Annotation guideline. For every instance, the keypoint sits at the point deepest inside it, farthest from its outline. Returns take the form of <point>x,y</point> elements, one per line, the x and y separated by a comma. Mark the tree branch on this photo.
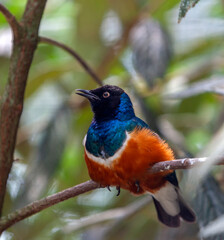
<point>49,201</point>
<point>184,163</point>
<point>12,100</point>
<point>39,205</point>
<point>15,26</point>
<point>75,55</point>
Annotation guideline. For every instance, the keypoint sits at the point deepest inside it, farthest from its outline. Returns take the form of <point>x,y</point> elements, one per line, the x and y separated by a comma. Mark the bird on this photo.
<point>120,148</point>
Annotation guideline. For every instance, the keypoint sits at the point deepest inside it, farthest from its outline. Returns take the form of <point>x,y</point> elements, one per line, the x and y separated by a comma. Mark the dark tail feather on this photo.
<point>186,213</point>
<point>168,220</point>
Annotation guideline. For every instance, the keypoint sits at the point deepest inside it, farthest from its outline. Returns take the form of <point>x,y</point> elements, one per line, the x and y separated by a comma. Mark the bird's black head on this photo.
<point>105,101</point>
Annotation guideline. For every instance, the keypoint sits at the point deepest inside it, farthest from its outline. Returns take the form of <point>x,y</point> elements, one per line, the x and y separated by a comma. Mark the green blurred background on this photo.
<point>49,151</point>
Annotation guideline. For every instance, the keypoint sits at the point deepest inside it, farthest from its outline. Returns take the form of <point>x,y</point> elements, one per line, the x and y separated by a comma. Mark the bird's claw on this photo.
<point>137,185</point>
<point>118,190</point>
<point>117,187</point>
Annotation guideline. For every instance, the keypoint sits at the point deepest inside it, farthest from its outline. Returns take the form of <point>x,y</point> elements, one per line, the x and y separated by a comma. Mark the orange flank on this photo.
<point>143,149</point>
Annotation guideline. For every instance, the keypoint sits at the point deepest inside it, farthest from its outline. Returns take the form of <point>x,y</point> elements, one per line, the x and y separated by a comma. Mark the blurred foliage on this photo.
<point>185,5</point>
<point>150,45</point>
<point>49,142</point>
<point>212,201</point>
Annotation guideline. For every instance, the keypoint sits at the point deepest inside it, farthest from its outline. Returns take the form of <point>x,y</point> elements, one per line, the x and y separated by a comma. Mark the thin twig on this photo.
<point>40,205</point>
<point>75,55</point>
<point>184,163</point>
<point>10,18</point>
<point>15,26</point>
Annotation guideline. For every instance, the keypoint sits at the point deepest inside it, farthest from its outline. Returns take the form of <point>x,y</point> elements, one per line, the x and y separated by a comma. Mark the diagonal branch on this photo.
<point>15,26</point>
<point>39,205</point>
<point>75,55</point>
<point>49,201</point>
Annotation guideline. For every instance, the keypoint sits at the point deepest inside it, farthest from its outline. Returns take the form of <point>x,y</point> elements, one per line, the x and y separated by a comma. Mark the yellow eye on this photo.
<point>106,94</point>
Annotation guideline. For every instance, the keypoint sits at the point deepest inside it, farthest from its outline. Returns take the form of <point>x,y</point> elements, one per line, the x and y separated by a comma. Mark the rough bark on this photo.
<point>25,39</point>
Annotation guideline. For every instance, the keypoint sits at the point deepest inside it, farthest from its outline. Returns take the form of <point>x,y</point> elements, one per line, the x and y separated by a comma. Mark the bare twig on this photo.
<point>176,164</point>
<point>184,163</point>
<point>42,204</point>
<point>39,205</point>
<point>75,55</point>
<point>12,100</point>
<point>15,26</point>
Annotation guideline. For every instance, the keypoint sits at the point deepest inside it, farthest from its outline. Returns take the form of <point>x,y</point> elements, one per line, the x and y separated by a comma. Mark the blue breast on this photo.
<point>104,138</point>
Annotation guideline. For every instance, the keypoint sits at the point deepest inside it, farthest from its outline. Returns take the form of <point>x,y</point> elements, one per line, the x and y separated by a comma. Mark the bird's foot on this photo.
<point>137,185</point>
<point>118,190</point>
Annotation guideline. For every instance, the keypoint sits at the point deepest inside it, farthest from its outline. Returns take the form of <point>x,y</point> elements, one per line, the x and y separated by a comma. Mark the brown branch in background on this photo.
<point>39,205</point>
<point>49,201</point>
<point>75,55</point>
<point>15,26</point>
<point>13,97</point>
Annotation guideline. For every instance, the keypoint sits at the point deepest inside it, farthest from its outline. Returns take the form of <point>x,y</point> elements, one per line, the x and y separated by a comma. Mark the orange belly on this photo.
<point>143,149</point>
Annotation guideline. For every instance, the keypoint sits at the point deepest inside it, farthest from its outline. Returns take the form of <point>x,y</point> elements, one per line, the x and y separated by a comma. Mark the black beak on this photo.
<point>87,94</point>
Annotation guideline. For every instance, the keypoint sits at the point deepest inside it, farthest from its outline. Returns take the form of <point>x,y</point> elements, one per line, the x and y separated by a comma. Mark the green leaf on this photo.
<point>185,5</point>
